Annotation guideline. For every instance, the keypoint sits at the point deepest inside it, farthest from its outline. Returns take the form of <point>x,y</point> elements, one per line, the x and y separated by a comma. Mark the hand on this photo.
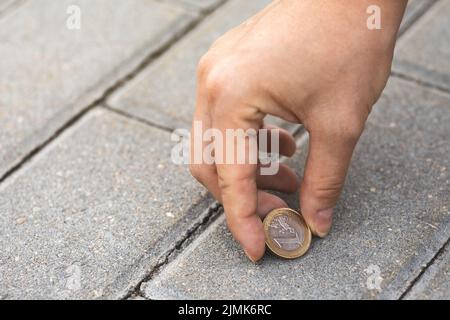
<point>313,62</point>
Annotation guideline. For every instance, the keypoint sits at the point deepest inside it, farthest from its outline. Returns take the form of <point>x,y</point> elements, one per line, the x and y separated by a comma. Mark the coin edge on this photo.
<point>269,242</point>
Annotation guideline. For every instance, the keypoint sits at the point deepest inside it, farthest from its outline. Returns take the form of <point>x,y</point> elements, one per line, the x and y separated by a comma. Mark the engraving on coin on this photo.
<point>286,234</point>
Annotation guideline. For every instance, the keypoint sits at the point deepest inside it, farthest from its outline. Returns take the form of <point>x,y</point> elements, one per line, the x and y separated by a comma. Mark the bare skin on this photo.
<point>313,62</point>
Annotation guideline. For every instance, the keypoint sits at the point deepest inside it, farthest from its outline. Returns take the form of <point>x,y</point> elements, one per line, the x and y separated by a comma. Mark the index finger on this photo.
<point>237,182</point>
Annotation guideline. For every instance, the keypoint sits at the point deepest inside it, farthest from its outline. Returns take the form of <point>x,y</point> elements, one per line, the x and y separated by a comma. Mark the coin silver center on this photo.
<point>286,233</point>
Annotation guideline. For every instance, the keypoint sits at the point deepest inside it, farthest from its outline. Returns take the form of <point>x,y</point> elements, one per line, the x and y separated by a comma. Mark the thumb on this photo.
<point>329,156</point>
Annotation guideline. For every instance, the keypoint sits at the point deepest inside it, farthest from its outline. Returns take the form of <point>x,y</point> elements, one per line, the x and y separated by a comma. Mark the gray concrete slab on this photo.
<point>164,93</point>
<point>391,220</point>
<point>414,10</point>
<point>423,52</point>
<point>4,4</point>
<point>50,72</point>
<point>9,6</point>
<point>435,282</point>
<point>94,212</point>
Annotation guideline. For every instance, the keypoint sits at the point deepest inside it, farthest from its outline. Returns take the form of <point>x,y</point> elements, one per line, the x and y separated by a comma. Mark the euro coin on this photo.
<point>287,234</point>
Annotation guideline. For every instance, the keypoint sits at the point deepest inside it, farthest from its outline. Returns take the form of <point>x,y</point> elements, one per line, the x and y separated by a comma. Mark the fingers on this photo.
<point>240,199</point>
<point>328,160</point>
<point>237,182</point>
<point>268,202</point>
<point>287,145</point>
<point>285,180</point>
<point>204,172</point>
<point>238,190</point>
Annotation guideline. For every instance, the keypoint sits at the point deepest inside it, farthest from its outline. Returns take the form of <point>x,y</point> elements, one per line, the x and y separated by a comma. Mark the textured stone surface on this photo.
<point>5,4</point>
<point>423,51</point>
<point>414,10</point>
<point>49,73</point>
<point>103,203</point>
<point>393,215</point>
<point>165,92</point>
<point>435,282</point>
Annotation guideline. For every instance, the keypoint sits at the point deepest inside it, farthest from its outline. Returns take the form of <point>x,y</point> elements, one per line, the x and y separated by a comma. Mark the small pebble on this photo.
<point>170,215</point>
<point>21,220</point>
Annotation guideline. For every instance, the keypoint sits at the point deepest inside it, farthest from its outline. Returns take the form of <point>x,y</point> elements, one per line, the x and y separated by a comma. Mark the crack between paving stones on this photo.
<point>108,92</point>
<point>438,254</point>
<point>419,82</point>
<point>136,118</point>
<point>212,213</point>
<point>31,154</point>
<point>192,6</point>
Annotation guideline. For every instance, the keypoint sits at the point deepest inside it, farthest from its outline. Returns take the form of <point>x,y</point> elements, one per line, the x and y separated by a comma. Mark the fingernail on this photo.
<point>324,219</point>
<point>250,257</point>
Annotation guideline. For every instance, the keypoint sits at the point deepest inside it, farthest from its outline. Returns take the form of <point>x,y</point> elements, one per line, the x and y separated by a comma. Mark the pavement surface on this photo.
<point>91,205</point>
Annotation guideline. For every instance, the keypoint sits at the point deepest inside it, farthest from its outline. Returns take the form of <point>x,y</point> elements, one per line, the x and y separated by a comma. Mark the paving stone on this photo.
<point>414,10</point>
<point>165,92</point>
<point>5,4</point>
<point>7,7</point>
<point>423,52</point>
<point>100,205</point>
<point>435,282</point>
<point>49,72</point>
<point>393,217</point>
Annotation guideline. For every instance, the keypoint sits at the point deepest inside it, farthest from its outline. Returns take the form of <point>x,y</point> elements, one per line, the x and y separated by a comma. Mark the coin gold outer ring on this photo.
<point>274,247</point>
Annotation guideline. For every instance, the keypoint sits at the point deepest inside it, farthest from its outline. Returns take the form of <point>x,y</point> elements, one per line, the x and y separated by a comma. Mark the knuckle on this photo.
<point>343,121</point>
<point>327,190</point>
<point>351,130</point>
<point>223,186</point>
<point>196,172</point>
<point>225,79</point>
<point>347,127</point>
<point>219,82</point>
<point>204,65</point>
<point>242,182</point>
